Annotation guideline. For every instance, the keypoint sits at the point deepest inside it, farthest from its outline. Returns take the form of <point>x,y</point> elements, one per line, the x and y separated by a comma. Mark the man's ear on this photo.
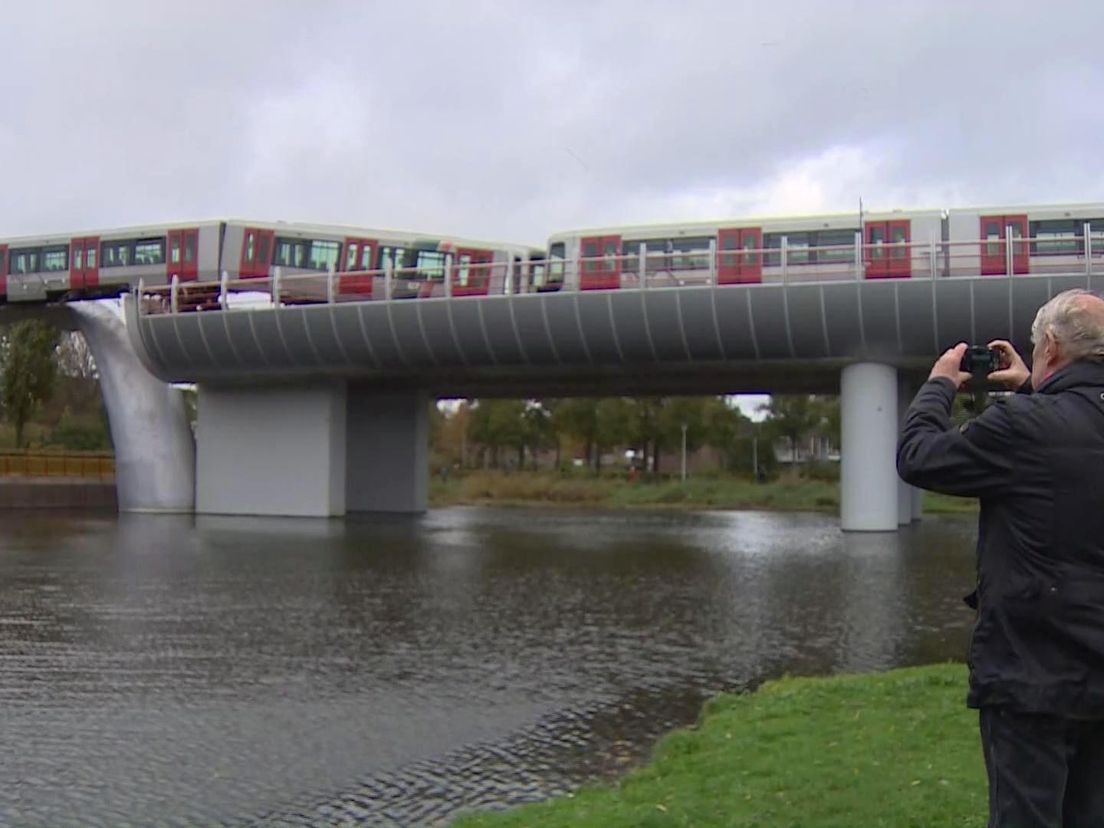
<point>1052,351</point>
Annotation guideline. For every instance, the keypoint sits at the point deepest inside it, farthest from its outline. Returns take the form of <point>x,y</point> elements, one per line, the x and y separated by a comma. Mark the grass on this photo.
<point>791,493</point>
<point>892,749</point>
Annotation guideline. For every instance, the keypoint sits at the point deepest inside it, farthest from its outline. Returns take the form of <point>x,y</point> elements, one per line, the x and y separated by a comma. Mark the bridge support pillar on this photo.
<point>904,490</point>
<point>868,470</point>
<point>388,446</point>
<point>273,450</point>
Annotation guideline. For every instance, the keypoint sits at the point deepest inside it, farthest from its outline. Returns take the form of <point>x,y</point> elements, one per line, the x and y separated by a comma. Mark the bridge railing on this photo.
<point>782,263</point>
<point>95,465</point>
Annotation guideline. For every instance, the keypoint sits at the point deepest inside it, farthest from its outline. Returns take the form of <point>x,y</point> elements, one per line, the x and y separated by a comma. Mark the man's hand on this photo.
<point>949,366</point>
<point>1014,371</point>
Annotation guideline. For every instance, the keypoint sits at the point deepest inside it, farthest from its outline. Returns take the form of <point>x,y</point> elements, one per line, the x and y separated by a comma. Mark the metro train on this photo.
<point>897,244</point>
<point>108,263</point>
<point>881,245</point>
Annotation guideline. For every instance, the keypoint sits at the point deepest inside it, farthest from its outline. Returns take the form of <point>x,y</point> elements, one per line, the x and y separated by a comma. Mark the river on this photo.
<point>177,670</point>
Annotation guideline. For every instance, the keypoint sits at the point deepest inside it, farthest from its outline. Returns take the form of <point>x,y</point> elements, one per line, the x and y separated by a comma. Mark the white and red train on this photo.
<point>108,263</point>
<point>898,244</point>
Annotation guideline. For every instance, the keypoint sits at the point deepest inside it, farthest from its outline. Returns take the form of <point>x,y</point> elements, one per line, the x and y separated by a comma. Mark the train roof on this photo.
<point>708,225</point>
<point>276,226</point>
<point>812,222</point>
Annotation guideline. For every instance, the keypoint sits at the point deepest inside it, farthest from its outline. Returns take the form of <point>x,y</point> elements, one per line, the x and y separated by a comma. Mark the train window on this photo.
<point>843,242</point>
<point>395,255</point>
<point>993,236</point>
<point>55,259</point>
<point>876,238</point>
<point>431,264</point>
<point>731,241</point>
<point>590,251</point>
<point>91,258</point>
<point>264,256</point>
<point>358,256</point>
<point>78,257</point>
<point>117,253</point>
<point>250,248</point>
<point>556,253</point>
<point>149,252</point>
<point>797,246</point>
<point>630,251</point>
<point>23,261</point>
<point>291,253</point>
<point>324,255</point>
<point>611,249</point>
<point>898,235</point>
<point>691,254</point>
<point>463,269</point>
<point>1055,238</point>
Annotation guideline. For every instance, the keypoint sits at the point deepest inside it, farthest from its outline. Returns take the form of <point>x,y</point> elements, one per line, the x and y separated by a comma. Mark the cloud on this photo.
<point>513,121</point>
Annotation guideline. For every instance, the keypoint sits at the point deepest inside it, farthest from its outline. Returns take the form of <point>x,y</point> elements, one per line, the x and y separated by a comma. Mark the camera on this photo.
<point>980,361</point>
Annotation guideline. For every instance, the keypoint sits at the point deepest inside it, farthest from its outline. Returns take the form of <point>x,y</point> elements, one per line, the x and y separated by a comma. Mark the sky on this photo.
<point>513,120</point>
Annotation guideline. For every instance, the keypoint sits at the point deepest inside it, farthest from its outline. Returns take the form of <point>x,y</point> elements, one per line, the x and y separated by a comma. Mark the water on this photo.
<point>229,671</point>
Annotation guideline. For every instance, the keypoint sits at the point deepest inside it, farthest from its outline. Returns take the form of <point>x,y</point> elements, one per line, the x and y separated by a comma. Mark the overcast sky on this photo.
<point>511,120</point>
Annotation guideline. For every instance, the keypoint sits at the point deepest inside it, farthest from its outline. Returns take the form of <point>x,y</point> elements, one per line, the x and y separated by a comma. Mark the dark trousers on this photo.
<point>1044,771</point>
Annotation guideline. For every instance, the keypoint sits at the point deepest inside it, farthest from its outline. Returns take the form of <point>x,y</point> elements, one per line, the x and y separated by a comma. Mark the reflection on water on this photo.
<point>303,672</point>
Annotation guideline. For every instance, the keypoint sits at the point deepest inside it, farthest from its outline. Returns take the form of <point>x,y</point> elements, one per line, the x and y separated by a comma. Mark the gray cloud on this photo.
<point>513,120</point>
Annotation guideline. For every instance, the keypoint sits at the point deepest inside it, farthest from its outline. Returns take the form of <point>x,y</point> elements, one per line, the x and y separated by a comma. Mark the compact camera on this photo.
<point>980,361</point>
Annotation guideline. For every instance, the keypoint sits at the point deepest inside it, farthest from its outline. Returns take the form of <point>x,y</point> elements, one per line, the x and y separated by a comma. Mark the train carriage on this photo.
<point>106,263</point>
<point>752,251</point>
<point>363,259</point>
<point>1021,240</point>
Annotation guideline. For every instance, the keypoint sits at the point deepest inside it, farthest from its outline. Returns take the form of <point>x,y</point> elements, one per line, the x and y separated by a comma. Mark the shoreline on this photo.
<point>713,493</point>
<point>891,748</point>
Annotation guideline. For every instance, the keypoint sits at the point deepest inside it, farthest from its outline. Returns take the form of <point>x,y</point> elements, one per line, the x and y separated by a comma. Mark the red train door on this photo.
<point>738,255</point>
<point>471,271</point>
<point>994,247</point>
<point>899,235</point>
<point>4,271</point>
<point>886,249</point>
<point>84,264</point>
<point>182,257</point>
<point>256,256</point>
<point>359,258</point>
<point>601,268</point>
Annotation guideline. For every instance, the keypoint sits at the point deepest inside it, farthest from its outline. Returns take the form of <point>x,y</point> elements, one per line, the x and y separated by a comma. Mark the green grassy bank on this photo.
<point>892,749</point>
<point>721,492</point>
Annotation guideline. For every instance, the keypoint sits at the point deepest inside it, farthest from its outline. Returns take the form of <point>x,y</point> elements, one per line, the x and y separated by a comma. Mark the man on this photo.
<point>1036,461</point>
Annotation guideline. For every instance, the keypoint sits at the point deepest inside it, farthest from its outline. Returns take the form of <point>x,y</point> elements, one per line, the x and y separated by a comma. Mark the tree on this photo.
<point>578,418</point>
<point>29,366</point>
<point>792,416</point>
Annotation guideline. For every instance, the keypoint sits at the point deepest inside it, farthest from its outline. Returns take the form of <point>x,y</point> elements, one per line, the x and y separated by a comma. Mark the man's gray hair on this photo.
<point>1075,322</point>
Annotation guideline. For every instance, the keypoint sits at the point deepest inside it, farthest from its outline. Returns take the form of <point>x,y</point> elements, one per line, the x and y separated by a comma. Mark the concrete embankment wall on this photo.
<point>57,493</point>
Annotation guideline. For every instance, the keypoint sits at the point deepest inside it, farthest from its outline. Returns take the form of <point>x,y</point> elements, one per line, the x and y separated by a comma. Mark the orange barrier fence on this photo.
<point>96,465</point>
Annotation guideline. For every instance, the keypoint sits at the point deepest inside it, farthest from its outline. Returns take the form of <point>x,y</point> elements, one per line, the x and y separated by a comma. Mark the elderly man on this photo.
<point>1036,461</point>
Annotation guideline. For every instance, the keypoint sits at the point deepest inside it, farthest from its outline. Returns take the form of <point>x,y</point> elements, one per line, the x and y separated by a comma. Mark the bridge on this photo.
<point>314,402</point>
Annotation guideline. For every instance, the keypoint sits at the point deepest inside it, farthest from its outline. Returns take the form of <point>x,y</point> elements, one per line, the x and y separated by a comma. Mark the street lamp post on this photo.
<point>684,452</point>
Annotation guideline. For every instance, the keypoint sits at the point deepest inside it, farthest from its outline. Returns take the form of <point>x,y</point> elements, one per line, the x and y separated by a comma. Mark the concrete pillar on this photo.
<point>868,473</point>
<point>388,445</point>
<point>154,448</point>
<point>904,490</point>
<point>272,450</point>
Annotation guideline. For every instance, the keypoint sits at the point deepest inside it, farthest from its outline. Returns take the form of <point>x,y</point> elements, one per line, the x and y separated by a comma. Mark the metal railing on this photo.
<point>784,264</point>
<point>95,465</point>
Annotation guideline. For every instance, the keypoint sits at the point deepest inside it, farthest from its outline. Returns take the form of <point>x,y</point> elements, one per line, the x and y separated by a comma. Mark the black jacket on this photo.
<point>1036,461</point>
